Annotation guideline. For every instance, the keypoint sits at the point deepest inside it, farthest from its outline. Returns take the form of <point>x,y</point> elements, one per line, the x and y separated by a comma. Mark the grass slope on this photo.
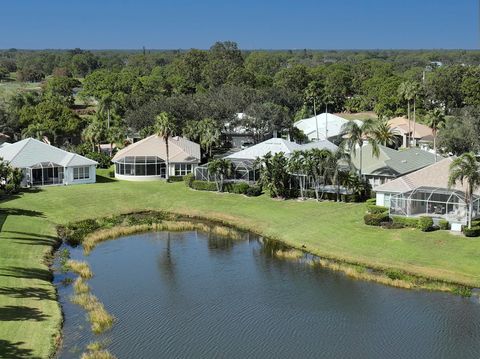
<point>329,229</point>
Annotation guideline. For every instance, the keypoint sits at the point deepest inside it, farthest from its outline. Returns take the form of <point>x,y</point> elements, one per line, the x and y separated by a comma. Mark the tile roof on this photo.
<point>180,149</point>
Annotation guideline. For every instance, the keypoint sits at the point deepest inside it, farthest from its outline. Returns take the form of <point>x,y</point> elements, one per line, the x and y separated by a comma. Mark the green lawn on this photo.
<point>327,228</point>
<point>10,88</point>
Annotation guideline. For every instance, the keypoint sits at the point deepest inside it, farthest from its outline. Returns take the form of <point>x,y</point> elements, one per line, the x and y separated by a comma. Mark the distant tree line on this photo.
<point>202,90</point>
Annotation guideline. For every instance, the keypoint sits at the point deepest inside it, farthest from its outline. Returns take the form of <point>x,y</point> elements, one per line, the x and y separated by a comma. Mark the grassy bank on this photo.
<point>331,230</point>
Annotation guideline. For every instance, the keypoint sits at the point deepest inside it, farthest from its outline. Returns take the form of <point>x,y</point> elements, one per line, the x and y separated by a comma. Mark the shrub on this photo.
<point>371,201</point>
<point>75,232</point>
<point>10,188</point>
<point>254,191</point>
<point>204,185</point>
<point>102,159</point>
<point>425,223</point>
<point>394,274</point>
<point>462,291</point>
<point>175,179</point>
<point>375,219</point>
<point>188,179</point>
<point>443,224</point>
<point>405,221</point>
<point>374,209</point>
<point>240,188</point>
<point>472,232</point>
<point>391,225</point>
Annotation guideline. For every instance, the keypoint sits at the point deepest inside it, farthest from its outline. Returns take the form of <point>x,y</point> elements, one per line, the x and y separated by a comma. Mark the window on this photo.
<point>182,169</point>
<point>80,173</point>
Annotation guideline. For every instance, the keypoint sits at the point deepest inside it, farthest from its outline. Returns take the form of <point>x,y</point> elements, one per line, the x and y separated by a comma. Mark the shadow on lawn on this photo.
<point>104,179</point>
<point>28,292</point>
<point>15,313</point>
<point>13,350</point>
<point>27,273</point>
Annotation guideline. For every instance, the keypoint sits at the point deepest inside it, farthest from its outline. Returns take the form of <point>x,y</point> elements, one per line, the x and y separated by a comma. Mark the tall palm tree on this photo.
<point>106,104</point>
<point>384,134</point>
<point>94,133</point>
<point>209,134</point>
<point>335,162</point>
<point>466,169</point>
<point>407,92</point>
<point>165,127</point>
<point>115,135</point>
<point>436,121</point>
<point>356,135</point>
<point>296,166</point>
<point>315,166</point>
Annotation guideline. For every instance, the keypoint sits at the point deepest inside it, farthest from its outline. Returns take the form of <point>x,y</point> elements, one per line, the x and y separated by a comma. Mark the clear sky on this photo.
<point>253,24</point>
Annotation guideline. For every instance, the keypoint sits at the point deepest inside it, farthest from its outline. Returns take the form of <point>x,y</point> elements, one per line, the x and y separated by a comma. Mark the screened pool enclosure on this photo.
<point>244,170</point>
<point>44,173</point>
<point>140,166</point>
<point>434,202</point>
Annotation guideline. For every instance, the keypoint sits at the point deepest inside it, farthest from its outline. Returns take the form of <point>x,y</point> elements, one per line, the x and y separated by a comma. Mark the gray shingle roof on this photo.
<point>30,152</point>
<point>392,163</point>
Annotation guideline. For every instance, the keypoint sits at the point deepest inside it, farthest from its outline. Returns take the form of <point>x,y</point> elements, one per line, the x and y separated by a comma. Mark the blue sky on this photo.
<point>267,24</point>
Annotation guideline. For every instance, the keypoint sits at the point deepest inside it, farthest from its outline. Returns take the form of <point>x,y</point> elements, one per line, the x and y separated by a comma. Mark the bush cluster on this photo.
<point>238,187</point>
<point>188,179</point>
<point>102,158</point>
<point>443,224</point>
<point>405,221</point>
<point>471,232</point>
<point>376,209</point>
<point>376,219</point>
<point>425,224</point>
<point>310,193</point>
<point>175,178</point>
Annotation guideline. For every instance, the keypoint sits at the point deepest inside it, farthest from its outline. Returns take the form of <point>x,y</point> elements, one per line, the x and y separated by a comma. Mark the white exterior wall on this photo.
<point>380,199</point>
<point>68,176</point>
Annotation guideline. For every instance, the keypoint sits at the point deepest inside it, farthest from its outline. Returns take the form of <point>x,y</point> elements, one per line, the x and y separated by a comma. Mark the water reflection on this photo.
<point>197,295</point>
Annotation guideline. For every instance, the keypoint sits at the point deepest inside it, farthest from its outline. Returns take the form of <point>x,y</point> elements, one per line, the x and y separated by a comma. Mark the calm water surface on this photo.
<point>188,295</point>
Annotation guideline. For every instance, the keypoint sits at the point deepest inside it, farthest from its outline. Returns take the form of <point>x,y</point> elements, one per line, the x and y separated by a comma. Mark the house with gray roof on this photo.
<point>390,163</point>
<point>426,193</point>
<point>43,164</point>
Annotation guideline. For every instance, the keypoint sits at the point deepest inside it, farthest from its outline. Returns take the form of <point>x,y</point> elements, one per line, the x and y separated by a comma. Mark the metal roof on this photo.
<point>30,152</point>
<point>326,122</point>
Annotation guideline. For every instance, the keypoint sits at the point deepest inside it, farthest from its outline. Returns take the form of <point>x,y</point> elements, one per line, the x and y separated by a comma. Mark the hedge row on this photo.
<point>376,219</point>
<point>238,187</point>
<point>310,193</point>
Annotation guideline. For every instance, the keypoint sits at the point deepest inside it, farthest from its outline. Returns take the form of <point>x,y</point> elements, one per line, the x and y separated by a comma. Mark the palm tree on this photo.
<point>220,169</point>
<point>466,169</point>
<point>296,166</point>
<point>384,134</point>
<point>94,133</point>
<point>115,135</point>
<point>274,174</point>
<point>106,104</point>
<point>165,128</point>
<point>315,166</point>
<point>436,121</point>
<point>333,169</point>
<point>209,134</point>
<point>407,91</point>
<point>356,135</point>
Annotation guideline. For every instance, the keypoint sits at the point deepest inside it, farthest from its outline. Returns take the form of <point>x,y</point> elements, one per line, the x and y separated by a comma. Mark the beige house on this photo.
<point>426,193</point>
<point>421,135</point>
<point>145,160</point>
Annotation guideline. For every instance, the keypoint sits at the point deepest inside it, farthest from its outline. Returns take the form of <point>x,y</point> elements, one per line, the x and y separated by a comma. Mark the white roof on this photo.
<point>5,144</point>
<point>326,122</point>
<point>30,152</point>
<point>276,145</point>
<point>179,149</point>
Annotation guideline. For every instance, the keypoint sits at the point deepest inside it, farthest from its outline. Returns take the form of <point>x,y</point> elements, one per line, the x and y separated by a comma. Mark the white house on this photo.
<point>43,164</point>
<point>323,126</point>
<point>145,160</point>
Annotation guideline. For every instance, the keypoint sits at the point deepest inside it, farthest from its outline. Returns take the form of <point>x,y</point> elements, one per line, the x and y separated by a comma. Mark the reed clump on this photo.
<point>79,267</point>
<point>290,254</point>
<point>100,320</point>
<point>80,286</point>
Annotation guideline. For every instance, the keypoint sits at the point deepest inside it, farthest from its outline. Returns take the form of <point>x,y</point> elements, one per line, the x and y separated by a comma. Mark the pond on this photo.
<point>198,296</point>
